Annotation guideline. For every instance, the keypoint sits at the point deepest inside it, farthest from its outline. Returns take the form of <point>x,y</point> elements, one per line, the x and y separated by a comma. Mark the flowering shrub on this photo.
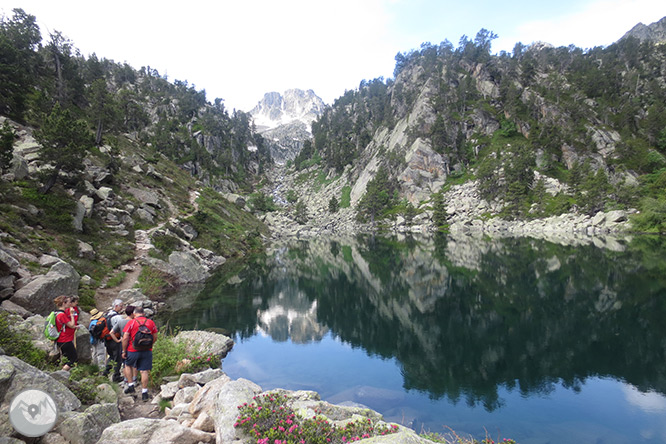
<point>202,362</point>
<point>269,421</point>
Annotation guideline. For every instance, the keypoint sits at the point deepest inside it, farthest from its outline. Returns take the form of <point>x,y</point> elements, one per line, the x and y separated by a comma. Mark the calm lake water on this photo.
<point>522,338</point>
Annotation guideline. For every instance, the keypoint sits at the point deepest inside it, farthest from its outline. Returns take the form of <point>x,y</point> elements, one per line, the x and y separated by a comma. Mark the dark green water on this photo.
<point>537,341</point>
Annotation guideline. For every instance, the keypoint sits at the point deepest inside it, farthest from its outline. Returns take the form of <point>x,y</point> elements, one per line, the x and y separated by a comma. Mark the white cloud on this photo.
<point>649,402</point>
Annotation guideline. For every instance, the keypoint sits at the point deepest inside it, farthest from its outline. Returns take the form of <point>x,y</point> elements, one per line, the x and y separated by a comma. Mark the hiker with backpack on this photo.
<point>103,332</point>
<point>98,351</point>
<point>139,336</point>
<point>66,327</point>
<point>117,331</point>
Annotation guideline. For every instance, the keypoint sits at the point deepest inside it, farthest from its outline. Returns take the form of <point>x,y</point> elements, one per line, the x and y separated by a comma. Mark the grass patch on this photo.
<point>305,177</point>
<point>171,358</point>
<point>347,254</point>
<point>154,283</point>
<point>345,197</point>
<point>116,279</point>
<point>83,382</point>
<point>321,181</point>
<point>224,228</point>
<point>164,244</point>
<point>56,208</point>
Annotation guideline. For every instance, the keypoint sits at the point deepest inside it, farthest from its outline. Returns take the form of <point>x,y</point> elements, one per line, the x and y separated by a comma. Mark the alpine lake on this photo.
<point>516,338</point>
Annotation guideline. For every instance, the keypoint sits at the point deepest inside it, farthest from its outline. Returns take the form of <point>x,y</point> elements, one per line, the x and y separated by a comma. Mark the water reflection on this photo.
<point>464,317</point>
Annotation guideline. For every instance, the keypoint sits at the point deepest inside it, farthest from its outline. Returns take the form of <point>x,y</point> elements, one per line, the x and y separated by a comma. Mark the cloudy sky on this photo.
<point>238,50</point>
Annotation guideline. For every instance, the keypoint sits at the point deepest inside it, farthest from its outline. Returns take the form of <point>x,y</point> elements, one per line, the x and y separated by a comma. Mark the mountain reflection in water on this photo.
<point>464,318</point>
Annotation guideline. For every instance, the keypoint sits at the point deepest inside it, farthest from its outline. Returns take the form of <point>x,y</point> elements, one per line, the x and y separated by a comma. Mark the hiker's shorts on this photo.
<point>141,360</point>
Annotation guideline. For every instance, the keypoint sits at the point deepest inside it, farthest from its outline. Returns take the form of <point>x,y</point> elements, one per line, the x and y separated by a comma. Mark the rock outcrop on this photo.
<point>284,121</point>
<point>655,32</point>
<point>204,409</point>
<point>16,376</point>
<point>207,342</point>
<point>213,412</point>
<point>37,296</point>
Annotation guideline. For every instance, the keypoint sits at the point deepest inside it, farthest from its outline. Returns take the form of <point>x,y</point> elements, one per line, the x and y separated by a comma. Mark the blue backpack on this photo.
<point>91,327</point>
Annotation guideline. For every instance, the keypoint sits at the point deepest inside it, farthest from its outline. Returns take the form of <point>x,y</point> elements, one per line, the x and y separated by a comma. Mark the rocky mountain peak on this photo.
<point>277,109</point>
<point>655,32</point>
<point>284,120</point>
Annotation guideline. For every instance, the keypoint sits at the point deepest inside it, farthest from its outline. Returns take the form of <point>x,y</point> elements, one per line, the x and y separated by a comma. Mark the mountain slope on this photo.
<point>655,32</point>
<point>539,132</point>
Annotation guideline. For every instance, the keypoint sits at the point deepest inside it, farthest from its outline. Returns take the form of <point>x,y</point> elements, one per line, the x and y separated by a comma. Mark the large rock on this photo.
<point>86,251</point>
<point>235,199</point>
<point>104,193</point>
<point>8,263</point>
<point>153,431</point>
<point>13,308</point>
<point>184,266</point>
<point>187,267</point>
<point>33,326</point>
<point>201,378</point>
<point>16,376</point>
<point>225,412</point>
<point>88,203</point>
<point>37,296</point>
<point>87,427</point>
<point>145,196</point>
<point>204,399</point>
<point>403,436</point>
<point>19,167</point>
<point>185,395</point>
<point>79,214</point>
<point>206,342</point>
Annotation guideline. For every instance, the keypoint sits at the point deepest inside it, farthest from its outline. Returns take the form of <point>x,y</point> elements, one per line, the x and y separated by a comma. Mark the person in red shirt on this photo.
<point>139,360</point>
<point>66,325</point>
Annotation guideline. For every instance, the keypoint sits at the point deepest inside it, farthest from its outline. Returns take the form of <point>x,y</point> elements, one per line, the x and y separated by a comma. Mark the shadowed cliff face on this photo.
<point>463,317</point>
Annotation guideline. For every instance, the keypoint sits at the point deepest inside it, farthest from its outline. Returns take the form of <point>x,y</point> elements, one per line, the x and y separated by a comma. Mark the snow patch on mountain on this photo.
<point>293,105</point>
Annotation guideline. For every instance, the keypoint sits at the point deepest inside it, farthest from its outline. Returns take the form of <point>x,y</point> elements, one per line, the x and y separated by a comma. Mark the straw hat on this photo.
<point>95,314</point>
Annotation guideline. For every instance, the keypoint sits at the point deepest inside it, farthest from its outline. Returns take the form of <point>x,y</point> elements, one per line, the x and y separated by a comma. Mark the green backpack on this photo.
<point>50,328</point>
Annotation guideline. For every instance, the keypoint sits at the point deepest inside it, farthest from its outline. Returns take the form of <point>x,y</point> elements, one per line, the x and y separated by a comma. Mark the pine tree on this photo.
<point>19,39</point>
<point>439,215</point>
<point>64,143</point>
<point>378,195</point>
<point>333,205</point>
<point>103,108</point>
<point>6,146</point>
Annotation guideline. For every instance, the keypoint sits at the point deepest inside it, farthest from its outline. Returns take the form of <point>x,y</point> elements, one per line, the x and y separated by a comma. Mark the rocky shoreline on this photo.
<point>467,214</point>
<point>203,409</point>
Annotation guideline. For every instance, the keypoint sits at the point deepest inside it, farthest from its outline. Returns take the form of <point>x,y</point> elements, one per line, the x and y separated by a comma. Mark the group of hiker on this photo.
<point>123,338</point>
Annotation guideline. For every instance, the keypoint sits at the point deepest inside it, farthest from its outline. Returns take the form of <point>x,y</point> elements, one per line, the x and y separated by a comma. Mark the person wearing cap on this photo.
<point>118,333</point>
<point>112,342</point>
<point>98,352</point>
